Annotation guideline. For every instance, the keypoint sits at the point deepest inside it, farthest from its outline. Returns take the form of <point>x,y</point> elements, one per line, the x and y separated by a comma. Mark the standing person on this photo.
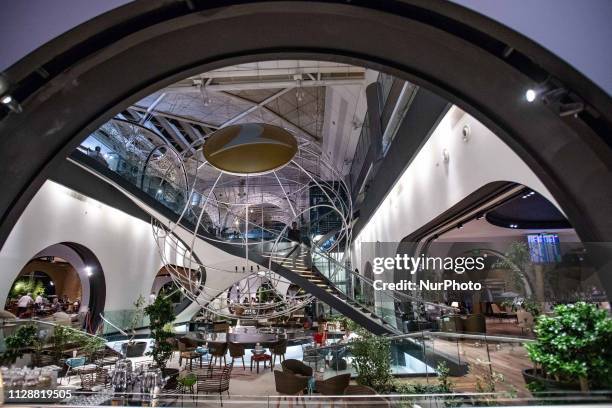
<point>24,303</point>
<point>98,156</point>
<point>294,233</point>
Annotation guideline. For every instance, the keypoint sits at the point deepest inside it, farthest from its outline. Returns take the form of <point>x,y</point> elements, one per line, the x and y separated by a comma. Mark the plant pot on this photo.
<point>135,349</point>
<point>531,375</point>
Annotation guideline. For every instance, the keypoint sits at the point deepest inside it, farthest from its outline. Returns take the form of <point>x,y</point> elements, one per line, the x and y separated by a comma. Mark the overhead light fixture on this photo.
<point>530,95</point>
<point>455,304</point>
<point>11,103</point>
<point>51,283</point>
<point>159,191</point>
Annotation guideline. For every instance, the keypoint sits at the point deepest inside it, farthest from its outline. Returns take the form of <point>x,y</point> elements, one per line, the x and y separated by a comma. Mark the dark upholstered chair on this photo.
<point>278,349</point>
<point>216,380</point>
<point>293,366</point>
<point>289,384</point>
<point>236,350</point>
<point>334,385</point>
<point>217,352</point>
<point>358,391</point>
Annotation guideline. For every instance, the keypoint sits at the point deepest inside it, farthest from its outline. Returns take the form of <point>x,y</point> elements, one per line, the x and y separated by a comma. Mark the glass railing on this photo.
<point>104,399</point>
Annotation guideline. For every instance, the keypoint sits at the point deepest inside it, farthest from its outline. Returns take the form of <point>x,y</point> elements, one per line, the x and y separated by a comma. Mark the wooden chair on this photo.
<point>188,353</point>
<point>278,349</point>
<point>215,379</point>
<point>217,351</point>
<point>525,320</point>
<point>236,350</point>
<point>288,384</point>
<point>497,312</point>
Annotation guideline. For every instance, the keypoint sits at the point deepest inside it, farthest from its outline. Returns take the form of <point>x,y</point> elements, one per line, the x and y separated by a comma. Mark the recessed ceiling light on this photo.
<point>530,95</point>
<point>7,99</point>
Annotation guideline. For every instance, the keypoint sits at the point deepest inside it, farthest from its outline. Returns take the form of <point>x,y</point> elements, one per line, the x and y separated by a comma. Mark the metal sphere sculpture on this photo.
<point>248,186</point>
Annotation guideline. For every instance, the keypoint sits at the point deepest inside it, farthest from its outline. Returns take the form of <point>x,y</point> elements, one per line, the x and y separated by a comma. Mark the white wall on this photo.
<point>123,244</point>
<point>429,186</point>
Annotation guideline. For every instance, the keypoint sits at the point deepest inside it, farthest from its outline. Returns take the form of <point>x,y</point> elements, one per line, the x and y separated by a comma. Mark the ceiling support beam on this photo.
<point>246,86</point>
<point>290,125</point>
<point>255,107</point>
<point>151,107</point>
<point>176,117</point>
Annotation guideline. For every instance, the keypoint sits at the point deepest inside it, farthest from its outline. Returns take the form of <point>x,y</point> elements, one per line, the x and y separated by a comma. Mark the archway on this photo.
<point>440,46</point>
<point>76,275</point>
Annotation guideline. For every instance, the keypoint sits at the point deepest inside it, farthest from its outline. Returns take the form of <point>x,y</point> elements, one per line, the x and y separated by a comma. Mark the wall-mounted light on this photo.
<point>530,95</point>
<point>445,155</point>
<point>466,132</point>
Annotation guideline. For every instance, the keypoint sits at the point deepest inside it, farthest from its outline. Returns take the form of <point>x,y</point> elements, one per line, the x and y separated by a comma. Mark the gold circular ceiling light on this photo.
<point>250,148</point>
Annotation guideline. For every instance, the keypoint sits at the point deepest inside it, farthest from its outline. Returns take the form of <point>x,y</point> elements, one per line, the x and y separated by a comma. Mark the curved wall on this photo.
<point>123,244</point>
<point>429,186</point>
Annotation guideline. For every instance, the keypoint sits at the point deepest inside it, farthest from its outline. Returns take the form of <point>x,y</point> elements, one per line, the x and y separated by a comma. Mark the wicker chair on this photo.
<point>98,377</point>
<point>236,350</point>
<point>188,353</point>
<point>293,366</point>
<point>217,351</point>
<point>105,357</point>
<point>334,385</point>
<point>289,384</point>
<point>215,379</point>
<point>278,349</point>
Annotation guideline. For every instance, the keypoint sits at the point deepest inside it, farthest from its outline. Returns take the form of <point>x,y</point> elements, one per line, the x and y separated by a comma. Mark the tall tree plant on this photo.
<point>160,312</point>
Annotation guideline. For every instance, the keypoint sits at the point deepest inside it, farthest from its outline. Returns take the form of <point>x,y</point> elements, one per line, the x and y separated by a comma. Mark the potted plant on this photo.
<point>135,348</point>
<point>161,313</point>
<point>19,343</point>
<point>572,349</point>
<point>372,361</point>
